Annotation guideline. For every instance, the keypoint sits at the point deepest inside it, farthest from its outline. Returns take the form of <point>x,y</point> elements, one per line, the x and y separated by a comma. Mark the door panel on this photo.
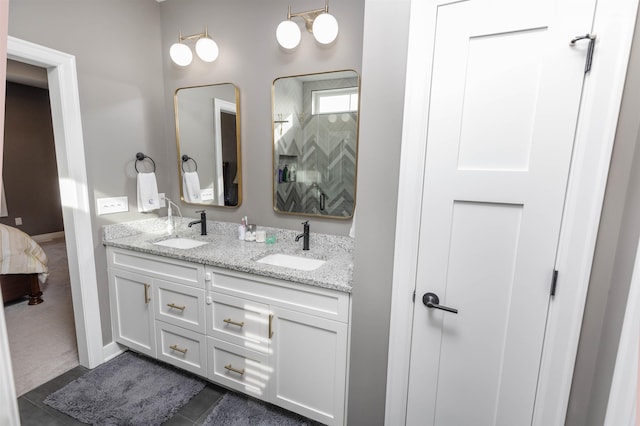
<point>132,311</point>
<point>505,92</point>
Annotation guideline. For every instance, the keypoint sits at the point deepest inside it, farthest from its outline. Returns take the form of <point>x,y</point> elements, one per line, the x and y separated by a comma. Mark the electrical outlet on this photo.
<point>112,205</point>
<point>162,199</point>
<point>18,221</point>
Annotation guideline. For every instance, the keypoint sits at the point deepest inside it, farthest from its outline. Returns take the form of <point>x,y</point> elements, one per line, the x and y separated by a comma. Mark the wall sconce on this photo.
<point>318,21</point>
<point>206,49</point>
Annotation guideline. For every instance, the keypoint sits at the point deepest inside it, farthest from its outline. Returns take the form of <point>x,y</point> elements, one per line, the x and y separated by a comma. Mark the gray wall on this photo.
<point>30,173</point>
<point>382,101</point>
<point>251,59</point>
<point>613,263</point>
<point>119,63</point>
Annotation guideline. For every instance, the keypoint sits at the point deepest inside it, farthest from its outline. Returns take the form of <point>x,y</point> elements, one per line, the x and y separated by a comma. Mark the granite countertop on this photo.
<point>226,251</point>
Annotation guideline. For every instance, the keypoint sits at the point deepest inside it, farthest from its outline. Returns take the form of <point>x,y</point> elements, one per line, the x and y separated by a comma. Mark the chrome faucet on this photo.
<point>202,222</point>
<point>304,236</point>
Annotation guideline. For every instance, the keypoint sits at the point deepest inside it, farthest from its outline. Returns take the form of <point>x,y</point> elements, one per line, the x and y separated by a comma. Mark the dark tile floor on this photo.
<point>34,413</point>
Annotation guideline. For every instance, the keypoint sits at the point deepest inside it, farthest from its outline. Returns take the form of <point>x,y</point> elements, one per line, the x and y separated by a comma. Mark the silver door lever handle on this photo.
<point>431,300</point>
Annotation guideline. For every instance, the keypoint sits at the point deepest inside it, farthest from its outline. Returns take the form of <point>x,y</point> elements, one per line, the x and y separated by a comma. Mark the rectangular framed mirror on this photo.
<point>315,144</point>
<point>208,143</point>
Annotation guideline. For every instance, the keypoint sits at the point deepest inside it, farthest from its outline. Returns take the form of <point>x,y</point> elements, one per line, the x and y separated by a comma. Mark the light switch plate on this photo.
<point>112,205</point>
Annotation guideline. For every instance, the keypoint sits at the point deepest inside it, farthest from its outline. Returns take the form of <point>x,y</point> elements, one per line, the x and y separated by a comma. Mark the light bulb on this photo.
<point>207,49</point>
<point>325,28</point>
<point>180,54</point>
<point>288,34</point>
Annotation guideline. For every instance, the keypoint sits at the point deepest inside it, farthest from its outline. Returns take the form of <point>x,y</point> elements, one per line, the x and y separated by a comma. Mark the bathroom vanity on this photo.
<point>272,332</point>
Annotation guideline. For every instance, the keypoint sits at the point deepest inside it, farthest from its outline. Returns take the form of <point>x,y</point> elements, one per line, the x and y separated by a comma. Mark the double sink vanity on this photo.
<point>268,320</point>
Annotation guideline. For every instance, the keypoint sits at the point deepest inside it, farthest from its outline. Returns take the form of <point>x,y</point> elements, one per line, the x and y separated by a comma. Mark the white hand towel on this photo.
<point>148,198</point>
<point>191,187</point>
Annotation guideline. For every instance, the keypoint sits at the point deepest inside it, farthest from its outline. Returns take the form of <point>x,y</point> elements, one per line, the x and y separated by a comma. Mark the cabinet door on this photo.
<point>309,365</point>
<point>132,311</point>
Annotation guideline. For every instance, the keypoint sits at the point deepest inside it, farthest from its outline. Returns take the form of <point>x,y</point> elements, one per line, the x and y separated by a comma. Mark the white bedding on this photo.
<point>19,254</point>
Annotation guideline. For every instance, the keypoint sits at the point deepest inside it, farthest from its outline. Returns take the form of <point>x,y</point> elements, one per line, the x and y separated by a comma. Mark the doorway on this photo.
<point>69,146</point>
<point>42,338</point>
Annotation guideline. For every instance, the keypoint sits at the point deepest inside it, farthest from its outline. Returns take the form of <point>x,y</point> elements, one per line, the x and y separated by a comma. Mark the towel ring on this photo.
<point>139,157</point>
<point>186,158</point>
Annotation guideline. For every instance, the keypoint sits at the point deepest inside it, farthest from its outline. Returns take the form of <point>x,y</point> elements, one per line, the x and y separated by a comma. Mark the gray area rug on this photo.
<point>128,390</point>
<point>234,410</point>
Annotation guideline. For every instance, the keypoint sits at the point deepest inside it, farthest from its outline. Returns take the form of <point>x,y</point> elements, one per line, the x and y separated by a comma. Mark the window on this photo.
<point>334,101</point>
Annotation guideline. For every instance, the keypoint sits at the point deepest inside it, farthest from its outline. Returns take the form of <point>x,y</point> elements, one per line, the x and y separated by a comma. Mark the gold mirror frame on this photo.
<point>314,186</point>
<point>207,115</point>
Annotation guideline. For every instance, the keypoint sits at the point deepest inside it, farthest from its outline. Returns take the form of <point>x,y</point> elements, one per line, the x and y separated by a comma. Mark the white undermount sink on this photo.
<point>291,261</point>
<point>181,243</point>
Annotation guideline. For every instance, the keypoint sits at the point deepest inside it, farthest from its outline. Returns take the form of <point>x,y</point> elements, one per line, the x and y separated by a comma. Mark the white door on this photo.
<point>505,92</point>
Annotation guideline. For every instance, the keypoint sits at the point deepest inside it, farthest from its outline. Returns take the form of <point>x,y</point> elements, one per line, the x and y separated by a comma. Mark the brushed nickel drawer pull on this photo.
<point>235,370</point>
<point>176,348</point>
<point>230,321</point>
<point>146,293</point>
<point>173,305</point>
<point>270,326</point>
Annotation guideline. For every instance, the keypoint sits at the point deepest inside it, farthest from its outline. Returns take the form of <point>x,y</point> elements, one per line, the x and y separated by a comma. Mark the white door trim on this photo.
<point>614,24</point>
<point>9,414</point>
<point>69,144</point>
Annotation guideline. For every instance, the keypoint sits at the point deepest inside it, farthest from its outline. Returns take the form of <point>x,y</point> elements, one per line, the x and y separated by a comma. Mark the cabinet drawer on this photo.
<point>238,368</point>
<point>186,273</point>
<point>180,305</point>
<point>239,321</point>
<point>182,348</point>
<point>322,302</point>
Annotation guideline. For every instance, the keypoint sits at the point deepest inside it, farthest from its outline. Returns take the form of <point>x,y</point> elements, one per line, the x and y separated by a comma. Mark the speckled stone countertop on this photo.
<point>226,251</point>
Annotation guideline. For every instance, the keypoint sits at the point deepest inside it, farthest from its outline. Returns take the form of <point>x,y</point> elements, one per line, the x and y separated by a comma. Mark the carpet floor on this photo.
<point>42,338</point>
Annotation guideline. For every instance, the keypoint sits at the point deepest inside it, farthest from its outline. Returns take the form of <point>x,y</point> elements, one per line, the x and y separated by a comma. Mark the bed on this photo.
<point>23,266</point>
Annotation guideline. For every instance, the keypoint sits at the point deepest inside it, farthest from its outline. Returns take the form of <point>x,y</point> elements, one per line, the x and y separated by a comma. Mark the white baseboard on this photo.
<point>112,350</point>
<point>46,237</point>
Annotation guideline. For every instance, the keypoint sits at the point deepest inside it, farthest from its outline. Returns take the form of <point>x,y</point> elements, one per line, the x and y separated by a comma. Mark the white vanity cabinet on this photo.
<point>279,341</point>
<point>283,342</point>
<point>157,307</point>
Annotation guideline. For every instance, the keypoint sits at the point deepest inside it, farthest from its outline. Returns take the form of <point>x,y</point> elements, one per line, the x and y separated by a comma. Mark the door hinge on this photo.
<point>592,44</point>
<point>414,296</point>
<point>554,282</point>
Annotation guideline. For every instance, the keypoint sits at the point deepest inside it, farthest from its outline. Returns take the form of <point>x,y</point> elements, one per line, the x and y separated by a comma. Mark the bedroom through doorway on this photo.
<point>42,338</point>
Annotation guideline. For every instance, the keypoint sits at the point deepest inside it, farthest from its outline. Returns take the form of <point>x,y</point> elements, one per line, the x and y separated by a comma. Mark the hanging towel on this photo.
<point>191,187</point>
<point>148,198</point>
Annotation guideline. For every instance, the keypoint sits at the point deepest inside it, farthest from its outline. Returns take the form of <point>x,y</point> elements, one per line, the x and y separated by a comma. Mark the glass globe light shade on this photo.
<point>288,34</point>
<point>180,54</point>
<point>325,28</point>
<point>207,49</point>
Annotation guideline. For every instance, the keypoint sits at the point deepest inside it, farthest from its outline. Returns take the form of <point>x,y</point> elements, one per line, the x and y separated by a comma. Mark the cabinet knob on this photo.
<point>207,276</point>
